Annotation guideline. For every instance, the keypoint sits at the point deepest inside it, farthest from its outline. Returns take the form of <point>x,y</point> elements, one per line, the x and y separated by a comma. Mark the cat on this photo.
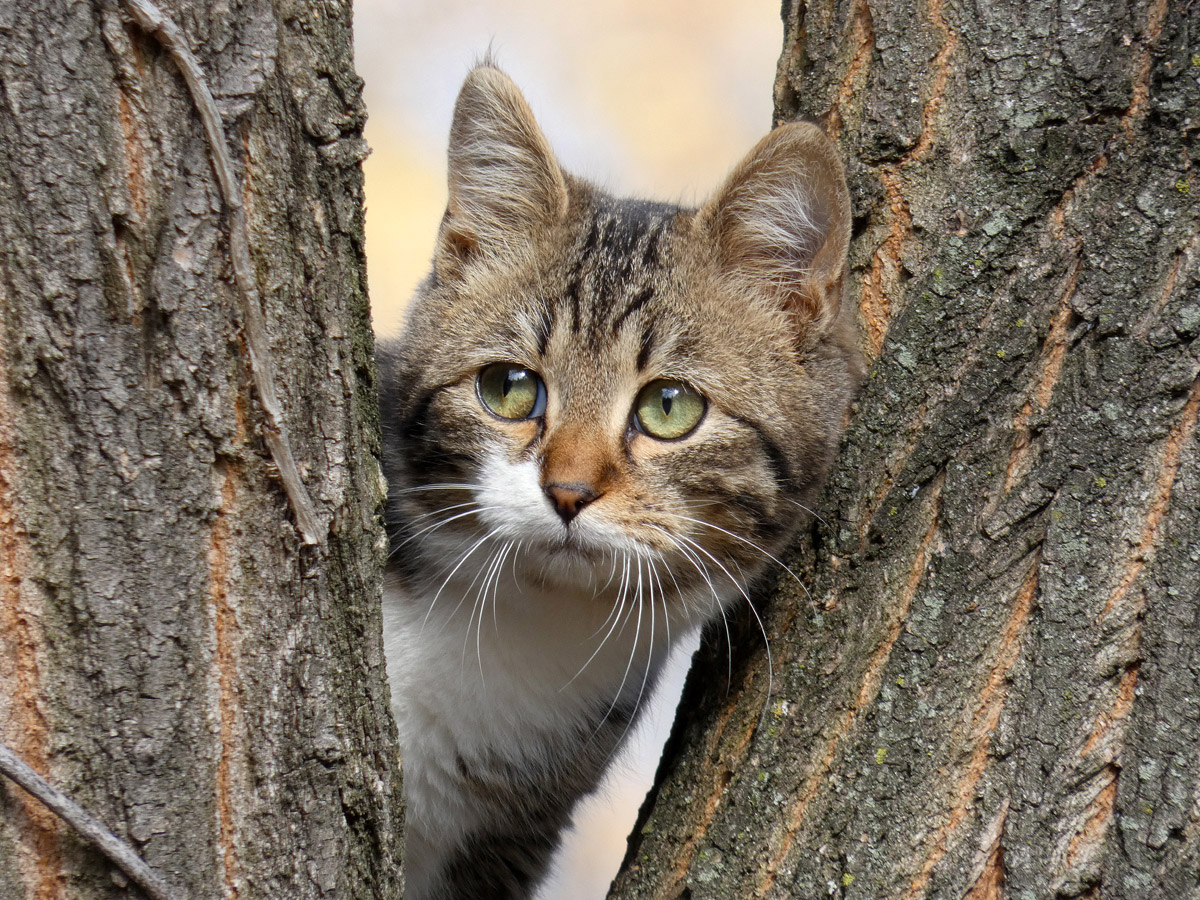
<point>604,417</point>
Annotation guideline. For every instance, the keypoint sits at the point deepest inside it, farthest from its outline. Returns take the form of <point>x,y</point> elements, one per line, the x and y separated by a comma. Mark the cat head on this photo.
<point>586,380</point>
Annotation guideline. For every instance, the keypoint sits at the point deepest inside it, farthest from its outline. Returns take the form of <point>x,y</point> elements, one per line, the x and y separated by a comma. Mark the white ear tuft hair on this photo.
<point>504,180</point>
<point>781,224</point>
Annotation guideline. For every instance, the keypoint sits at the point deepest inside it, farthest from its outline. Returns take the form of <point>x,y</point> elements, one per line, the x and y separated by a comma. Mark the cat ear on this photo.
<point>504,179</point>
<point>781,224</point>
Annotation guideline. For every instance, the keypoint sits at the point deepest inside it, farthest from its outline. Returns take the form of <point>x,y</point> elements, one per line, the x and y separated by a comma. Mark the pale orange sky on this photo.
<point>658,98</point>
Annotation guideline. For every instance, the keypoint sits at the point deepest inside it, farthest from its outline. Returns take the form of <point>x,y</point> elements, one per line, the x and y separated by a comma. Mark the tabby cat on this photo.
<point>603,418</point>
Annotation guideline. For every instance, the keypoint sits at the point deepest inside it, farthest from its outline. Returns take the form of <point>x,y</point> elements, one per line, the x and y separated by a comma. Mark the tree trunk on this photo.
<point>172,653</point>
<point>994,689</point>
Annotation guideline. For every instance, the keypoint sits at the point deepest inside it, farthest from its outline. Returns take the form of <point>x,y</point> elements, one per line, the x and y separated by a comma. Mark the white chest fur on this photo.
<point>474,677</point>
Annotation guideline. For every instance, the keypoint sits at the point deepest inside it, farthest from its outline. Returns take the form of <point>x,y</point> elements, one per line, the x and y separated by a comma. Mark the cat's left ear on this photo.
<point>781,225</point>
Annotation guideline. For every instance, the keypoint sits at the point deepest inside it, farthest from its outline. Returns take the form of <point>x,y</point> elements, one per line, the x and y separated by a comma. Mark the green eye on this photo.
<point>667,410</point>
<point>511,392</point>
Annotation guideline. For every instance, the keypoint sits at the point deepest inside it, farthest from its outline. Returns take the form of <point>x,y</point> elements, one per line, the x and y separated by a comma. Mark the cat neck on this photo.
<point>501,621</point>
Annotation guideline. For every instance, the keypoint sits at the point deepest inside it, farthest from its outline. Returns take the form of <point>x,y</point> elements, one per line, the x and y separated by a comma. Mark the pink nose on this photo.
<point>569,499</point>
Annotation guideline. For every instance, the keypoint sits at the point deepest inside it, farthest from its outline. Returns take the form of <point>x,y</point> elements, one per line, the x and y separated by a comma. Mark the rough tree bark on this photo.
<point>994,690</point>
<point>172,653</point>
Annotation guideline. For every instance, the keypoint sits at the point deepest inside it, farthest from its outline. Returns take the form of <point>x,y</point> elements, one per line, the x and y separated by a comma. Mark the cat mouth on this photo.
<point>571,546</point>
<point>574,546</point>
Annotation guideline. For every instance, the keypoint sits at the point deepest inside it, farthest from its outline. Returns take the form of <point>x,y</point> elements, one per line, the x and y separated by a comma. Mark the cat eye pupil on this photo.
<point>511,391</point>
<point>668,410</point>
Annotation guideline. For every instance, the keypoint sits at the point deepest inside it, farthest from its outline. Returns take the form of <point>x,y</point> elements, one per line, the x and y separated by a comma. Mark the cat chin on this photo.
<point>574,563</point>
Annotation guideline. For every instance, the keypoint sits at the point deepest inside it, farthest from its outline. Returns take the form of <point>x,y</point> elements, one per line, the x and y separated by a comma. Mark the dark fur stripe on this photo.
<point>416,423</point>
<point>644,296</point>
<point>650,255</point>
<point>542,329</point>
<point>614,266</point>
<point>780,467</point>
<point>573,299</point>
<point>646,348</point>
<point>589,244</point>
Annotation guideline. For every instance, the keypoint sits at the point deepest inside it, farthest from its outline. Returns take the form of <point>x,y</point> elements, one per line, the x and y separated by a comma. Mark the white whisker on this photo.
<point>761,625</point>
<point>811,512</point>
<point>481,577</point>
<point>437,512</point>
<point>663,596</point>
<point>637,633</point>
<point>702,571</point>
<point>458,565</point>
<point>432,487</point>
<point>437,525</point>
<point>615,615</point>
<point>496,583</point>
<point>637,703</point>
<point>751,544</point>
<point>492,578</point>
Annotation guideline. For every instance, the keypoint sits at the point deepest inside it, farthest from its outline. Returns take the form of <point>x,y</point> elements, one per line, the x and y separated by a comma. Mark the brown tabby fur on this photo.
<point>739,299</point>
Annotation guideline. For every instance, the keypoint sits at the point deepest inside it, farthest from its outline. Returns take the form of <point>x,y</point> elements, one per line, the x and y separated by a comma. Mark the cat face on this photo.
<point>586,382</point>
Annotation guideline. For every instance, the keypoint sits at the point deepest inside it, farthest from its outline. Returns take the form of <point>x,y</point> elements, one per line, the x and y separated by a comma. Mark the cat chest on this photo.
<point>502,693</point>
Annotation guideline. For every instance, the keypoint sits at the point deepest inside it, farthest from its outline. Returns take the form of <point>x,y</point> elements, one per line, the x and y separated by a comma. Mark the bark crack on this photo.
<point>1186,253</point>
<point>1087,843</point>
<point>135,154</point>
<point>983,722</point>
<point>881,286</point>
<point>987,878</point>
<point>1106,730</point>
<point>890,470</point>
<point>863,34</point>
<point>1145,58</point>
<point>27,730</point>
<point>868,690</point>
<point>1054,351</point>
<point>226,634</point>
<point>1164,483</point>
<point>1133,113</point>
<point>262,367</point>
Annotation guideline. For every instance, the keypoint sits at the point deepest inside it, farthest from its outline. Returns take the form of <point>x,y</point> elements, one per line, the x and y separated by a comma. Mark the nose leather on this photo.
<point>569,499</point>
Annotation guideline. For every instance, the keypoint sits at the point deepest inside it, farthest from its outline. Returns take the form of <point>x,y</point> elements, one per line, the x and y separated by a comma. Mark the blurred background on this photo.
<point>654,98</point>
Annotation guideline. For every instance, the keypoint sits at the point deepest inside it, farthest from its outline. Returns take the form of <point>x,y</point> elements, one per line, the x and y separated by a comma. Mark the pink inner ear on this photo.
<point>782,223</point>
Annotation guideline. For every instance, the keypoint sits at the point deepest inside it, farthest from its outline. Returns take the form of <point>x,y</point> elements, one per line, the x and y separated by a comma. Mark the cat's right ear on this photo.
<point>504,180</point>
<point>781,226</point>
